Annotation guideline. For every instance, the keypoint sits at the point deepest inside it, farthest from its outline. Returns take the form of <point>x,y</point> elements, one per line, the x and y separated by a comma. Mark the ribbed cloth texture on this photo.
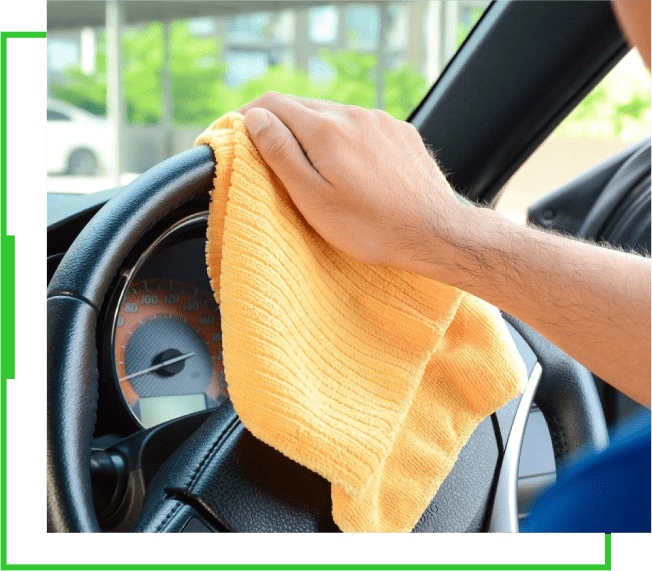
<point>370,376</point>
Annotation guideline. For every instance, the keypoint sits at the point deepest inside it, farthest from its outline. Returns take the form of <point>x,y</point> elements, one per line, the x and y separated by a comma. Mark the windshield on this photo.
<point>130,84</point>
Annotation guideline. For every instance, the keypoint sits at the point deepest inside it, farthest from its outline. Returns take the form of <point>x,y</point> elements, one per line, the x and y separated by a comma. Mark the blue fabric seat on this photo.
<point>607,492</point>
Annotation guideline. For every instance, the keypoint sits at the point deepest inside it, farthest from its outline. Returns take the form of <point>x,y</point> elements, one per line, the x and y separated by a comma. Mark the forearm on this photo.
<point>592,302</point>
<point>366,183</point>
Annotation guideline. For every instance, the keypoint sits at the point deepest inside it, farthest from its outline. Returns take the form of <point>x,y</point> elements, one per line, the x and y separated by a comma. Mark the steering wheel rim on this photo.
<point>75,297</point>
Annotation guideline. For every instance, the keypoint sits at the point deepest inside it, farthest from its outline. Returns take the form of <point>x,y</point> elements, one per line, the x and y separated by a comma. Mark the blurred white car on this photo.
<point>77,141</point>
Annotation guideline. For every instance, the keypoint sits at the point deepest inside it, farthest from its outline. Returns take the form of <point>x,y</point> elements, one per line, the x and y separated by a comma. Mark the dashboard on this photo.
<point>160,348</point>
<point>164,329</point>
<point>160,339</point>
<point>159,334</point>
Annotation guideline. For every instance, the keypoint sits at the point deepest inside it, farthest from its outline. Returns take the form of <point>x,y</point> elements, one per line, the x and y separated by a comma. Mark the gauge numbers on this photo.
<point>168,350</point>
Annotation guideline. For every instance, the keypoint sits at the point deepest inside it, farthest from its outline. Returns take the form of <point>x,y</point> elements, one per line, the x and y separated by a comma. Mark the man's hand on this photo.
<point>362,179</point>
<point>367,184</point>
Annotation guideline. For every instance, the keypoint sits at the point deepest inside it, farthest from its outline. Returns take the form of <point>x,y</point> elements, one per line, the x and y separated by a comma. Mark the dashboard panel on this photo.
<point>161,341</point>
<point>156,312</point>
<point>166,335</point>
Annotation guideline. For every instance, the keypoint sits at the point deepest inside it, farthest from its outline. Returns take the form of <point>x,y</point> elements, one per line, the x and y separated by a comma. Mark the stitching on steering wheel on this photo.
<point>558,435</point>
<point>198,472</point>
<point>202,465</point>
<point>169,516</point>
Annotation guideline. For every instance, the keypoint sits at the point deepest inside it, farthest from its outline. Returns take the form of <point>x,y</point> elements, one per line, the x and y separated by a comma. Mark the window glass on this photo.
<point>63,52</point>
<point>183,70</point>
<point>248,27</point>
<point>243,65</point>
<point>613,116</point>
<point>319,71</point>
<point>323,24</point>
<point>202,26</point>
<point>363,25</point>
<point>397,26</point>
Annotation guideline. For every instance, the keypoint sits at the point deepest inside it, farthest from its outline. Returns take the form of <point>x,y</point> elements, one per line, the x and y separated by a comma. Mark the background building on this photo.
<point>159,70</point>
<point>150,75</point>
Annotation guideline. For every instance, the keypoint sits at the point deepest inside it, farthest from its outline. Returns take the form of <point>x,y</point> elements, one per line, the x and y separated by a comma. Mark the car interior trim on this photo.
<point>93,259</point>
<point>529,84</point>
<point>633,171</point>
<point>566,208</point>
<point>504,515</point>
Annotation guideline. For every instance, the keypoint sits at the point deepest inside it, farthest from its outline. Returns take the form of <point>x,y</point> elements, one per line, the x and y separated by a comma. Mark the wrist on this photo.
<point>475,243</point>
<point>463,245</point>
<point>436,243</point>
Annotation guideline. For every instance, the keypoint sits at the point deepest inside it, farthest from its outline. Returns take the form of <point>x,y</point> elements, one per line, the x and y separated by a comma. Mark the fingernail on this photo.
<point>256,120</point>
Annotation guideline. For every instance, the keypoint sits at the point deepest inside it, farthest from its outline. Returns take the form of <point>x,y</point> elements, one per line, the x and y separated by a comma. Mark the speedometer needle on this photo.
<point>159,366</point>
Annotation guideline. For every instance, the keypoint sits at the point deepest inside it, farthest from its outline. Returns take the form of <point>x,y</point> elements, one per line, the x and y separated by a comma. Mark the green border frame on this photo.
<point>25,542</point>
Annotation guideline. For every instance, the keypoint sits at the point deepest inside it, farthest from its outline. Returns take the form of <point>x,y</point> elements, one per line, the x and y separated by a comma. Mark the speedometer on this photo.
<point>168,350</point>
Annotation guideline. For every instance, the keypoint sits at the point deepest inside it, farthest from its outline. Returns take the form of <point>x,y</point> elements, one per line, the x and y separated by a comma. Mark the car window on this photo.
<point>179,76</point>
<point>612,117</point>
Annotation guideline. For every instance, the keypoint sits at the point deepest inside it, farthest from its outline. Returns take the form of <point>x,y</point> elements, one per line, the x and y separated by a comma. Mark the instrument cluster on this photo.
<point>166,339</point>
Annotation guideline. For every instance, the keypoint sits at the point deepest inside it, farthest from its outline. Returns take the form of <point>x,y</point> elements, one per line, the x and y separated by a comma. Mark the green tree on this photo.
<point>464,28</point>
<point>143,57</point>
<point>404,89</point>
<point>354,80</point>
<point>634,110</point>
<point>199,93</point>
<point>85,91</point>
<point>353,83</point>
<point>198,89</point>
<point>278,78</point>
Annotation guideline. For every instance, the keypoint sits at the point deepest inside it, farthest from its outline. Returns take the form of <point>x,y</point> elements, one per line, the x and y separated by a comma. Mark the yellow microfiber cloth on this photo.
<point>370,376</point>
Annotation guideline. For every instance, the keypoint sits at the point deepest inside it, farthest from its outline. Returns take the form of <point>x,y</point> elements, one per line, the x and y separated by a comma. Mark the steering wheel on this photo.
<point>223,479</point>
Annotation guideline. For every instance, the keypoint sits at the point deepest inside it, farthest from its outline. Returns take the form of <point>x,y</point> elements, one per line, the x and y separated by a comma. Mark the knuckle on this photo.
<point>357,119</point>
<point>271,97</point>
<point>412,132</point>
<point>277,145</point>
<point>381,114</point>
<point>325,128</point>
<point>357,113</point>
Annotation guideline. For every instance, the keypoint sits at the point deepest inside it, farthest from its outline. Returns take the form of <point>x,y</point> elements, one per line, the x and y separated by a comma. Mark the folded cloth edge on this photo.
<point>225,128</point>
<point>223,175</point>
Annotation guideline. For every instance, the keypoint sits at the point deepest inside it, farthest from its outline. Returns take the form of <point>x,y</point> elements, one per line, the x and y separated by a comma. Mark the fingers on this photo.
<point>280,150</point>
<point>269,97</point>
<point>300,121</point>
<point>291,112</point>
<point>320,105</point>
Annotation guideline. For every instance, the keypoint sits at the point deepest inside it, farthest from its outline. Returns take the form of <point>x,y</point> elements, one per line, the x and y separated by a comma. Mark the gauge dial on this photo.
<point>168,350</point>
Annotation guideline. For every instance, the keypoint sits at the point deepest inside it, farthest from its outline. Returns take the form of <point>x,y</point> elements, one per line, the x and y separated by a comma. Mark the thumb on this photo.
<point>278,147</point>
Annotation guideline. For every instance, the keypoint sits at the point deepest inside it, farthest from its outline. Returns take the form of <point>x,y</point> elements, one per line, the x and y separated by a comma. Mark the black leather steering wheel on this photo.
<point>222,478</point>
